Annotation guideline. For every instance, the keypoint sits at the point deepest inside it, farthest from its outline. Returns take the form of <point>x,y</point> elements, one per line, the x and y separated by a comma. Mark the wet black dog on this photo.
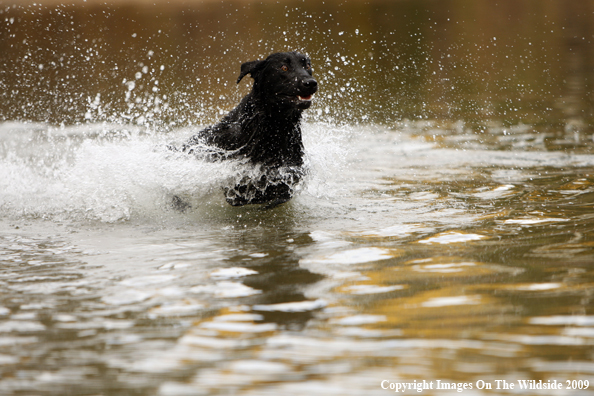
<point>264,130</point>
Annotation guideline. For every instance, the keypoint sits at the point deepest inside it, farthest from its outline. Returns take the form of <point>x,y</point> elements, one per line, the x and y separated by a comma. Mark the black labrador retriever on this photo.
<point>264,130</point>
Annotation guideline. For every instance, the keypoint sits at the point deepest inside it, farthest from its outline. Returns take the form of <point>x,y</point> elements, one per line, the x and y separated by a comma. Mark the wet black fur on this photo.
<point>265,128</point>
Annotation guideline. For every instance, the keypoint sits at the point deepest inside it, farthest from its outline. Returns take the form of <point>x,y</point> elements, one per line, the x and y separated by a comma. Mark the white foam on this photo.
<point>357,320</point>
<point>10,326</point>
<point>538,286</point>
<point>497,192</point>
<point>233,272</point>
<point>238,318</point>
<point>443,268</point>
<point>447,301</point>
<point>300,306</point>
<point>7,359</point>
<point>372,289</point>
<point>453,237</point>
<point>258,367</point>
<point>239,327</point>
<point>400,230</point>
<point>112,172</point>
<point>563,320</point>
<point>531,221</point>
<point>147,280</point>
<point>353,256</point>
<point>587,332</point>
<point>126,297</point>
<point>226,289</point>
<point>179,308</point>
<point>108,179</point>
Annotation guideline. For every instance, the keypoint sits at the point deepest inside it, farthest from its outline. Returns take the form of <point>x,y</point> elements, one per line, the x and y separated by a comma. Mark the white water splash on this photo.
<point>111,173</point>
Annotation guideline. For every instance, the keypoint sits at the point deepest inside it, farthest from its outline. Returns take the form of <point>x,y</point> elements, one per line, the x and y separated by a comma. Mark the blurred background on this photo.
<point>175,63</point>
<point>445,231</point>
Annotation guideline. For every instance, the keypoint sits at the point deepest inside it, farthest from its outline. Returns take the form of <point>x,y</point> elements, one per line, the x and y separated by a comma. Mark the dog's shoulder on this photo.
<point>225,135</point>
<point>229,133</point>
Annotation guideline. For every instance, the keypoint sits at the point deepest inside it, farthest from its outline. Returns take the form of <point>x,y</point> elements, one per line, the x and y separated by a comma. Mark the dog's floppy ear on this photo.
<point>250,68</point>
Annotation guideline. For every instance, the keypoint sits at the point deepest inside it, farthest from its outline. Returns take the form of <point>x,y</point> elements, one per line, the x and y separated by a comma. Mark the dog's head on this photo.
<point>284,79</point>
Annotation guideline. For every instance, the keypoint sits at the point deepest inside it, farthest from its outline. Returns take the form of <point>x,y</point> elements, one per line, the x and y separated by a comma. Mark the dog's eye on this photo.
<point>285,68</point>
<point>307,66</point>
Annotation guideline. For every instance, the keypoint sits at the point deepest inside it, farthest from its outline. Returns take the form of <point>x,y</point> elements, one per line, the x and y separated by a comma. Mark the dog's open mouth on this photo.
<point>302,101</point>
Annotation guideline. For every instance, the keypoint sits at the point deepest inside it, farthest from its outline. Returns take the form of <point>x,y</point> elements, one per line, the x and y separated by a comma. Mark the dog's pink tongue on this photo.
<point>308,97</point>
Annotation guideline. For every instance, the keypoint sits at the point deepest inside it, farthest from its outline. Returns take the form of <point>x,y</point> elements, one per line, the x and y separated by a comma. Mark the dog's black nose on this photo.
<point>310,83</point>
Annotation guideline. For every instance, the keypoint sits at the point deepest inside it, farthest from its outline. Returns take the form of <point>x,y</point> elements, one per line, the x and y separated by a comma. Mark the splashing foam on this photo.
<point>113,173</point>
<point>106,178</point>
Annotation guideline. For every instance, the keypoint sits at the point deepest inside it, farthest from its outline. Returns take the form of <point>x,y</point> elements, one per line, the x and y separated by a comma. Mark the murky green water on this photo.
<point>446,231</point>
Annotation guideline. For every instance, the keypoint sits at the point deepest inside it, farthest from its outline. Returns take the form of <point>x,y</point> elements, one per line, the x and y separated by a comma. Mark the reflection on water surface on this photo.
<point>467,271</point>
<point>446,230</point>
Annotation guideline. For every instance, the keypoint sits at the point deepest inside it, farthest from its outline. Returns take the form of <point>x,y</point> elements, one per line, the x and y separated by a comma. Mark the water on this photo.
<point>438,237</point>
